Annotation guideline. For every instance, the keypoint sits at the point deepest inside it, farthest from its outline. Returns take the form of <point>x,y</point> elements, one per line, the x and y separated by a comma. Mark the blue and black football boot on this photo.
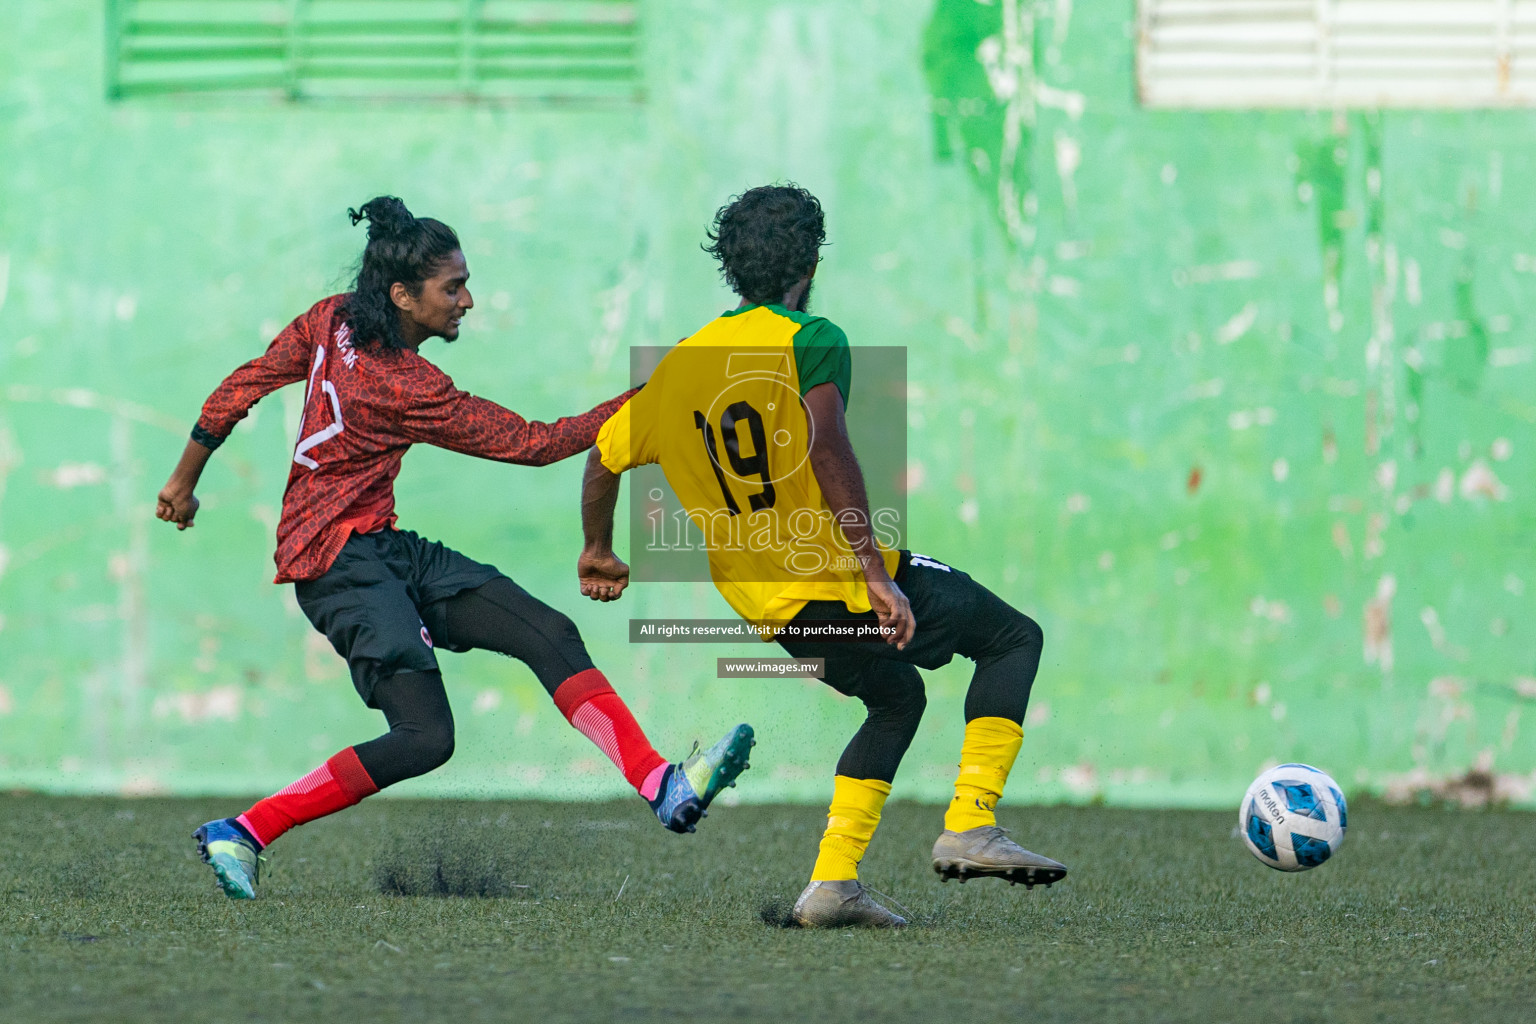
<point>234,855</point>
<point>688,788</point>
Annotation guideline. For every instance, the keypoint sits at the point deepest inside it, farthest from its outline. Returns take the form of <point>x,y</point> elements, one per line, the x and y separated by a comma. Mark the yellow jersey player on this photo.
<point>746,419</point>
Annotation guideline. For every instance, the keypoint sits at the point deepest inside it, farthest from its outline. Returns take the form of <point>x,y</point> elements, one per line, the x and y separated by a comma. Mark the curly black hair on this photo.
<point>766,240</point>
<point>400,248</point>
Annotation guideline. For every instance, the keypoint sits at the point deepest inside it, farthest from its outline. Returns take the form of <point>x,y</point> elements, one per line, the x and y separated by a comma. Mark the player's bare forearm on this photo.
<point>601,573</point>
<point>599,497</point>
<point>840,478</point>
<point>842,485</point>
<point>176,502</point>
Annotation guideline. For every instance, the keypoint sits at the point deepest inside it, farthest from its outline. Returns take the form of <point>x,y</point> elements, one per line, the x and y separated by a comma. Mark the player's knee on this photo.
<point>559,625</point>
<point>557,630</point>
<point>1002,627</point>
<point>519,620</point>
<point>914,698</point>
<point>438,745</point>
<point>904,698</point>
<point>430,747</point>
<point>1030,633</point>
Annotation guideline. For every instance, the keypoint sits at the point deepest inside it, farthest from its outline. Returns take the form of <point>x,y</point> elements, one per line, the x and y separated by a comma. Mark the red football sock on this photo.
<point>589,703</point>
<point>338,783</point>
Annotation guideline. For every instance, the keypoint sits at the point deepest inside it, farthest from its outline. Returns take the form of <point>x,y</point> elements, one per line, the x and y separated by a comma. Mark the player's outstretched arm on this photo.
<point>602,574</point>
<point>177,503</point>
<point>444,416</point>
<point>842,484</point>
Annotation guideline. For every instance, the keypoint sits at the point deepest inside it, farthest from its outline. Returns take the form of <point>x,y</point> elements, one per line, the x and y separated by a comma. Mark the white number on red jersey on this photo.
<point>319,436</point>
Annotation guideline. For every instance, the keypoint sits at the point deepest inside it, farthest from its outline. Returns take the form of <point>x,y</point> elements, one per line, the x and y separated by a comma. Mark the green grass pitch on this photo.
<point>593,912</point>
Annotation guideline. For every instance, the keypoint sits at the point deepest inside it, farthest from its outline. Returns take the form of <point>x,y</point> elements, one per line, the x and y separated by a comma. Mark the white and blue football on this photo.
<point>1293,817</point>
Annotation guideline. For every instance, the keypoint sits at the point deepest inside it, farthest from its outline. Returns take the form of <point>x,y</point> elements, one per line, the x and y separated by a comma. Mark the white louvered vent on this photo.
<point>1225,54</point>
<point>302,49</point>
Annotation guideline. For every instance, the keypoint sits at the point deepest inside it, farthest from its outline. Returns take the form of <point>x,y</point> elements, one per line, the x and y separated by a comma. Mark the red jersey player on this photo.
<point>387,598</point>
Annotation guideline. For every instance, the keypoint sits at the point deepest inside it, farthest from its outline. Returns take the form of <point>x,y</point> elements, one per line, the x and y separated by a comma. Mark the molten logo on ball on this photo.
<point>1293,817</point>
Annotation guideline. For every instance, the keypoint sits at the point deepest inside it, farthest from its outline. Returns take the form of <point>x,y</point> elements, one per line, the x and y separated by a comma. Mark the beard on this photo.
<point>804,305</point>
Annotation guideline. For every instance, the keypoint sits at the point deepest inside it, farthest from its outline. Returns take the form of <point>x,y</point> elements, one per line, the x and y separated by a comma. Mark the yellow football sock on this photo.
<point>851,822</point>
<point>986,758</point>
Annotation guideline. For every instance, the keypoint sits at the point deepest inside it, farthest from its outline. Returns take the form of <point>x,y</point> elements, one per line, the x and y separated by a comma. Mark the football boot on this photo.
<point>842,904</point>
<point>233,855</point>
<point>690,786</point>
<point>987,852</point>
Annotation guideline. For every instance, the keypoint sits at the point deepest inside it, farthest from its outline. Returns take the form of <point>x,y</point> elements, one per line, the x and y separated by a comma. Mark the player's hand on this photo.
<point>603,575</point>
<point>897,622</point>
<point>177,506</point>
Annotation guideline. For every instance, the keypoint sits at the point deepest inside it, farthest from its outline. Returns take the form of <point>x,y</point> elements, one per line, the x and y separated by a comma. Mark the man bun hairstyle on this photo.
<point>400,248</point>
<point>766,240</point>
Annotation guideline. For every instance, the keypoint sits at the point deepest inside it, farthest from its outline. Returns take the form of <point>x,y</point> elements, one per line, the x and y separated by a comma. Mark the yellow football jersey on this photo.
<point>722,414</point>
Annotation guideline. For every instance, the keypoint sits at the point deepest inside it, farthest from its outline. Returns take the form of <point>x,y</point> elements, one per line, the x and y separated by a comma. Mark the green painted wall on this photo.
<point>1238,405</point>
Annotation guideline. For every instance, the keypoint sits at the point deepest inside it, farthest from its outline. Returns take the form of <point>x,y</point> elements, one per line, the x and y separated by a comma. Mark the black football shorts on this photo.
<point>380,602</point>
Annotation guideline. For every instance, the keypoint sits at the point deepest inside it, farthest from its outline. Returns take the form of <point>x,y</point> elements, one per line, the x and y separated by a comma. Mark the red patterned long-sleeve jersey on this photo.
<point>363,408</point>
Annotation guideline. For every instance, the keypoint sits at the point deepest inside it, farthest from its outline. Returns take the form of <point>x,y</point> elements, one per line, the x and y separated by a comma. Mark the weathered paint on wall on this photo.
<point>1238,405</point>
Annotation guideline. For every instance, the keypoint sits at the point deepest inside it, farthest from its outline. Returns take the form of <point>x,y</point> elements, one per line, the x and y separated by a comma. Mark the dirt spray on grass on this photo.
<point>458,863</point>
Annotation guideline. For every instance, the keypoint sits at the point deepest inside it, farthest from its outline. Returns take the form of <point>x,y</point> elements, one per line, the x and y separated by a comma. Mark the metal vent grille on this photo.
<point>304,49</point>
<point>1337,53</point>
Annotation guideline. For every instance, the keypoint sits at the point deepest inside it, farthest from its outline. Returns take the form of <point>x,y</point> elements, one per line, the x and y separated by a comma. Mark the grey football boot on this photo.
<point>843,904</point>
<point>987,852</point>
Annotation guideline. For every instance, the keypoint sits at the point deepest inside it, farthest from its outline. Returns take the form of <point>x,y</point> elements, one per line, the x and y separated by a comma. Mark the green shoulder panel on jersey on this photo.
<point>821,349</point>
<point>821,352</point>
<point>822,356</point>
